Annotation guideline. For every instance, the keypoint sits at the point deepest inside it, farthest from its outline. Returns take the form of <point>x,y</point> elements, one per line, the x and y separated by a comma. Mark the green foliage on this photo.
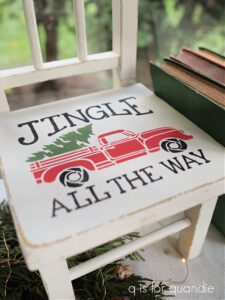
<point>18,283</point>
<point>103,284</point>
<point>14,46</point>
<point>37,156</point>
<point>164,27</point>
<point>174,13</point>
<point>70,141</point>
<point>197,14</point>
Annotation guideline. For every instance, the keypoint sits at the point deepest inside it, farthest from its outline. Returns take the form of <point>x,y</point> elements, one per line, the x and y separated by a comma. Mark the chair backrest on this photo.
<point>122,58</point>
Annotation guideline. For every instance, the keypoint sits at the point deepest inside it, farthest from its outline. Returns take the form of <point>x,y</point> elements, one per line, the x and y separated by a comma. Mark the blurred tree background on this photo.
<point>164,27</point>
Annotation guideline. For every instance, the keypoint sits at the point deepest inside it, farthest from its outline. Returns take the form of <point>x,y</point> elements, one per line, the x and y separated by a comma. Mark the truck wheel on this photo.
<point>173,145</point>
<point>74,177</point>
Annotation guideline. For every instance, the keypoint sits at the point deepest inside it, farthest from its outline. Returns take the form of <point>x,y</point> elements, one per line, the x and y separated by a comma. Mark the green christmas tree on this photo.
<point>70,141</point>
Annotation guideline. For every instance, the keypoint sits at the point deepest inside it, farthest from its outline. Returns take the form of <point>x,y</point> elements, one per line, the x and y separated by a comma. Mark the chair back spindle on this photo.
<point>79,12</point>
<point>122,58</point>
<point>32,30</point>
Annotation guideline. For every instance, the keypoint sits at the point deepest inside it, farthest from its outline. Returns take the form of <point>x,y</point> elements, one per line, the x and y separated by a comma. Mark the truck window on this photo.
<point>116,137</point>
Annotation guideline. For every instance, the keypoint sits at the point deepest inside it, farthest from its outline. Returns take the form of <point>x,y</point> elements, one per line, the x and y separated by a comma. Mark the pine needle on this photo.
<point>18,283</point>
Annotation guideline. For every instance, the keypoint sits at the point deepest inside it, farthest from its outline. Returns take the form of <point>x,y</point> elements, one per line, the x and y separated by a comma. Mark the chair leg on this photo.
<point>191,239</point>
<point>56,279</point>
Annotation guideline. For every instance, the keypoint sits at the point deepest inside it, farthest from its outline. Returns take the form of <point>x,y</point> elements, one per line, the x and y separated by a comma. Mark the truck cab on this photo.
<point>121,144</point>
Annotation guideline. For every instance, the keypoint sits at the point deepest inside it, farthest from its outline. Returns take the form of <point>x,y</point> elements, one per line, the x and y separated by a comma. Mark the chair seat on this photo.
<point>84,162</point>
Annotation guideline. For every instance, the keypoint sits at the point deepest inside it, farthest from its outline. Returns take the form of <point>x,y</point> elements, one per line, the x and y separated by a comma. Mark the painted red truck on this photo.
<point>115,147</point>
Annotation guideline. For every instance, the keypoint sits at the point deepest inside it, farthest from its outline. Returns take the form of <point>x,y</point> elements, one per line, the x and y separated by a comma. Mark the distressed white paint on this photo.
<point>125,19</point>
<point>103,234</point>
<point>31,24</point>
<point>84,231</point>
<point>192,239</point>
<point>59,69</point>
<point>4,106</point>
<point>128,248</point>
<point>81,35</point>
<point>47,243</point>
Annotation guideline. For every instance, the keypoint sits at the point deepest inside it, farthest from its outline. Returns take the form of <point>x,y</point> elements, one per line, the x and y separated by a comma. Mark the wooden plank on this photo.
<point>81,35</point>
<point>125,19</point>
<point>33,35</point>
<point>12,78</point>
<point>4,106</point>
<point>116,37</point>
<point>103,234</point>
<point>122,251</point>
<point>56,279</point>
<point>191,239</point>
<point>175,192</point>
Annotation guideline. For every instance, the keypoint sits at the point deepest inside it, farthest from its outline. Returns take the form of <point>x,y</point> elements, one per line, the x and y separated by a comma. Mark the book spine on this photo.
<point>190,70</point>
<point>211,51</point>
<point>189,102</point>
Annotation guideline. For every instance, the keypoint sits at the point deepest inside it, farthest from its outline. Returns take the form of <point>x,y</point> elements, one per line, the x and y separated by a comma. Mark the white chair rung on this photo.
<point>128,248</point>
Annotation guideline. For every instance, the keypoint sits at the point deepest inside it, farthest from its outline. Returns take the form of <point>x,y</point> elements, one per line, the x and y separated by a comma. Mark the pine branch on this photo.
<point>70,141</point>
<point>17,282</point>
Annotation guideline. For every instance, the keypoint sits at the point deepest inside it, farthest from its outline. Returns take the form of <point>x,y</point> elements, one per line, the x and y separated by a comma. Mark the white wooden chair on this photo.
<point>141,170</point>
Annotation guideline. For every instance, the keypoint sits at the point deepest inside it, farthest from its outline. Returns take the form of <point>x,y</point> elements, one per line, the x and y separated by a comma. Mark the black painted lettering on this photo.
<point>149,174</point>
<point>77,202</point>
<point>82,117</point>
<point>54,124</point>
<point>57,205</point>
<point>124,112</point>
<point>99,114</point>
<point>200,156</point>
<point>116,181</point>
<point>190,161</point>
<point>136,178</point>
<point>33,131</point>
<point>97,197</point>
<point>134,107</point>
<point>173,166</point>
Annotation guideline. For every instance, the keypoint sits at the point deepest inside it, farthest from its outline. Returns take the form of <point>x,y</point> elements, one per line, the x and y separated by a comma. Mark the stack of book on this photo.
<point>193,82</point>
